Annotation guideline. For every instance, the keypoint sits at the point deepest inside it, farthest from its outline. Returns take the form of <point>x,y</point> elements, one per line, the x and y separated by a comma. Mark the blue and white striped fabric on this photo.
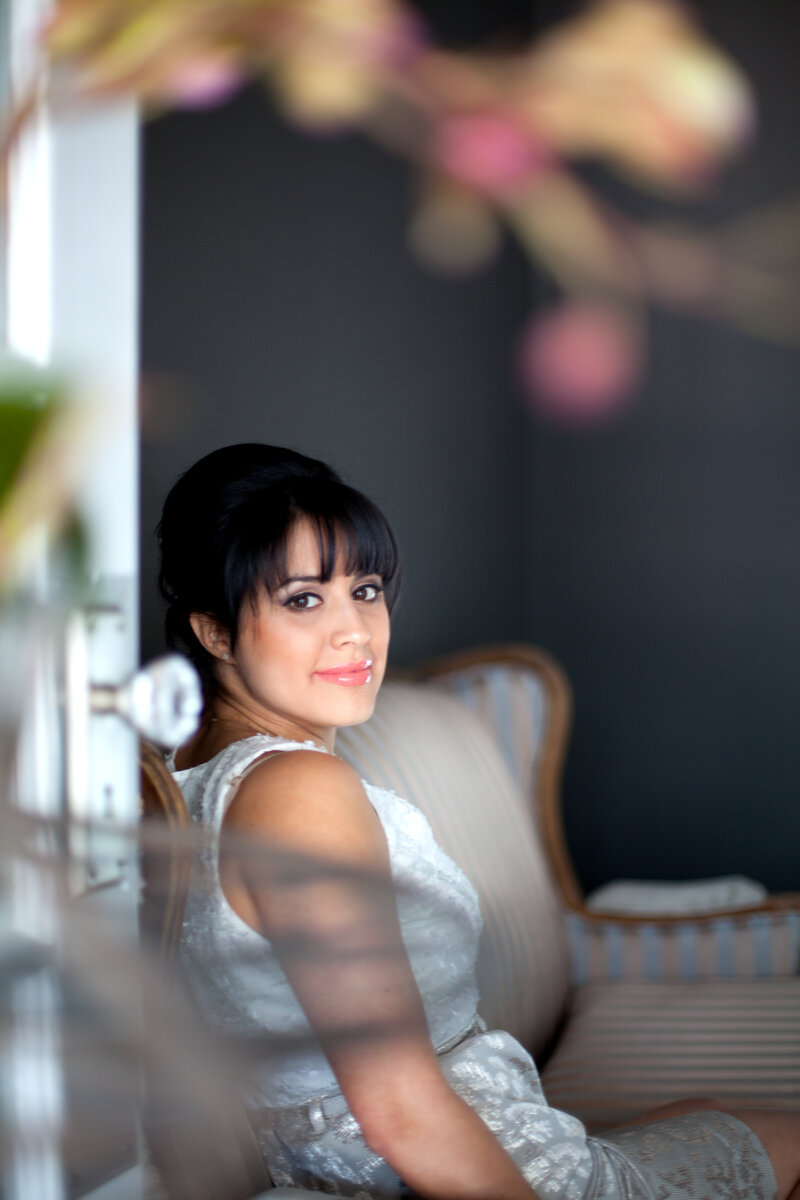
<point>754,945</point>
<point>512,701</point>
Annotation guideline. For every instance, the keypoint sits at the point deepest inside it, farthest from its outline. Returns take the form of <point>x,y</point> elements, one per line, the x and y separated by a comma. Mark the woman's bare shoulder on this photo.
<point>293,769</point>
<point>303,796</point>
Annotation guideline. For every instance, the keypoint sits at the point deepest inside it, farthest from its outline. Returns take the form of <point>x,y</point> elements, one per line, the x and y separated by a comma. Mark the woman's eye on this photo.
<point>303,601</point>
<point>367,592</point>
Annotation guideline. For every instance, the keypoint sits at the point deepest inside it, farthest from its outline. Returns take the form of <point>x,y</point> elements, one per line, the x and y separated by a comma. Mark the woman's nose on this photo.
<point>350,625</point>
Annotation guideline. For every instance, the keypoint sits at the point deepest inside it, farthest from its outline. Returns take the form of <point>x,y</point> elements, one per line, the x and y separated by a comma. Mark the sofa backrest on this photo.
<point>427,746</point>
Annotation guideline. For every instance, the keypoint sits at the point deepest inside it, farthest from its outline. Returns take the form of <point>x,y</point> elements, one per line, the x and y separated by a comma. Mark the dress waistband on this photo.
<point>318,1111</point>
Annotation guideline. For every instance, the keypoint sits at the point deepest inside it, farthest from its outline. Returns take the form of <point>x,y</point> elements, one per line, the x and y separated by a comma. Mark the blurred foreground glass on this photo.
<point>99,1020</point>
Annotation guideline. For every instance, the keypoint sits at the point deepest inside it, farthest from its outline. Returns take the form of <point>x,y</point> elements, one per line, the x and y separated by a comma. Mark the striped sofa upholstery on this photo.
<point>622,1015</point>
<point>633,1044</point>
<point>426,747</point>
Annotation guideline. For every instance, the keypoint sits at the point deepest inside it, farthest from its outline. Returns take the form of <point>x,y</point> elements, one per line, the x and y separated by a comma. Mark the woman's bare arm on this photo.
<point>336,931</point>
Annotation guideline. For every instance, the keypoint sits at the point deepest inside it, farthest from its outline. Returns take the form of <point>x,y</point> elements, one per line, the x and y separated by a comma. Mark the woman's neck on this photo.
<point>216,733</point>
<point>230,718</point>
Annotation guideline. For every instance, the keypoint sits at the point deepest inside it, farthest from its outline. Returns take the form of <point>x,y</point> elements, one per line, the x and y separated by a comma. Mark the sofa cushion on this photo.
<point>427,747</point>
<point>631,1045</point>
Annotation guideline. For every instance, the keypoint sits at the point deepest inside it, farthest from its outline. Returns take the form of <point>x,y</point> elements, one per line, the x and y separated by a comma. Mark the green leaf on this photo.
<point>28,399</point>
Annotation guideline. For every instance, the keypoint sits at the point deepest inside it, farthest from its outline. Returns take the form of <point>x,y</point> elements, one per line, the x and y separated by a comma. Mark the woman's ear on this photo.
<point>211,634</point>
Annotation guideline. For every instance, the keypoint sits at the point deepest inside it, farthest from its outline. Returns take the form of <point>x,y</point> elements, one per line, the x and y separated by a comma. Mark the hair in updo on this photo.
<point>226,524</point>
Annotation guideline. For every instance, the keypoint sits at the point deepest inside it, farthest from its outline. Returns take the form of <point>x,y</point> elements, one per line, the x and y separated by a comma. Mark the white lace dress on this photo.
<point>308,1136</point>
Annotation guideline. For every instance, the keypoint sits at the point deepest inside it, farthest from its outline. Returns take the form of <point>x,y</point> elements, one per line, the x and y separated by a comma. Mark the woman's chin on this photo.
<point>356,708</point>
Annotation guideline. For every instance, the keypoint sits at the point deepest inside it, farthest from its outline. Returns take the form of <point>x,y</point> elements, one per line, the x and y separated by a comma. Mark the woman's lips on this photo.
<point>349,674</point>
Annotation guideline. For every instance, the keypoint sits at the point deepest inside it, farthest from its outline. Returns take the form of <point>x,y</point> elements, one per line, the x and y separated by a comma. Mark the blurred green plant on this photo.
<point>24,410</point>
<point>44,439</point>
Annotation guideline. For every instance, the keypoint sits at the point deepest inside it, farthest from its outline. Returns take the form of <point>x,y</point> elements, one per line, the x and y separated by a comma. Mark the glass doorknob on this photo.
<point>163,701</point>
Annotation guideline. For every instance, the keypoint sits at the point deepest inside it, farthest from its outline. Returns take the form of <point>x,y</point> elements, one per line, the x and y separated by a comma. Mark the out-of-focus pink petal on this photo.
<point>579,364</point>
<point>487,150</point>
<point>407,37</point>
<point>202,81</point>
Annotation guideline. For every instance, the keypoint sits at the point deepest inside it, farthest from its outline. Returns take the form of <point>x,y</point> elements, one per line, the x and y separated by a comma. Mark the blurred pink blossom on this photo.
<point>202,81</point>
<point>488,150</point>
<point>580,363</point>
<point>397,42</point>
<point>637,83</point>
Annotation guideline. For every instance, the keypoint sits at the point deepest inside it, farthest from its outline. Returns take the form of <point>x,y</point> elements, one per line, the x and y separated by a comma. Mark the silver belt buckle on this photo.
<point>316,1117</point>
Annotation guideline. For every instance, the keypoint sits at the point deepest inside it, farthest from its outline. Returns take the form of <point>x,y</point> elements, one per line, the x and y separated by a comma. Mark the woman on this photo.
<point>280,581</point>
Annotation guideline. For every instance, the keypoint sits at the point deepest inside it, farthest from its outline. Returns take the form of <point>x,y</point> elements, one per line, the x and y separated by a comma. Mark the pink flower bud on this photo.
<point>579,364</point>
<point>202,81</point>
<point>488,151</point>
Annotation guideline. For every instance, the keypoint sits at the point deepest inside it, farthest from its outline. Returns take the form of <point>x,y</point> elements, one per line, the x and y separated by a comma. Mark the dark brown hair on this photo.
<point>226,524</point>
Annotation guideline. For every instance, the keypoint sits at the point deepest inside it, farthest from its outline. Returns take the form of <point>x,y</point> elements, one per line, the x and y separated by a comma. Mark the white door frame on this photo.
<point>71,302</point>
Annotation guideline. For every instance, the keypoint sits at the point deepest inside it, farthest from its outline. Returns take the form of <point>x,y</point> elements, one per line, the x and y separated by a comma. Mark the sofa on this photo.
<point>621,1011</point>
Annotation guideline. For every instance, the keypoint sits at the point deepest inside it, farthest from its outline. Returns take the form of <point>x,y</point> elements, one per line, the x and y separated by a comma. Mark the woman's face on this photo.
<point>312,655</point>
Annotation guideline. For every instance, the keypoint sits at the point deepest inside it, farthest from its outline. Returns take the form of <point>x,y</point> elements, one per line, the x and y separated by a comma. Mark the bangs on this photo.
<point>354,548</point>
<point>351,533</point>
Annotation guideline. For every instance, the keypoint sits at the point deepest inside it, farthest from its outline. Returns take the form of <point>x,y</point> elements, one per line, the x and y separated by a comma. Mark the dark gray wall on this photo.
<point>657,557</point>
<point>664,553</point>
<point>666,570</point>
<point>280,304</point>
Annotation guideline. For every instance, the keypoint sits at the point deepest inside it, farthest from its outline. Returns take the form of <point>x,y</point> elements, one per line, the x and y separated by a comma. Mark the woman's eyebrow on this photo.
<point>300,579</point>
<point>290,579</point>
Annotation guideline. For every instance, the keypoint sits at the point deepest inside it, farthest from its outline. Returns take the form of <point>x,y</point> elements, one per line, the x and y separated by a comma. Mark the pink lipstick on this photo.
<point>349,674</point>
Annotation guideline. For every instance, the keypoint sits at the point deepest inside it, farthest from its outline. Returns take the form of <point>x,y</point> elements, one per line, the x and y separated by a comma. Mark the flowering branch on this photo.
<point>632,83</point>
